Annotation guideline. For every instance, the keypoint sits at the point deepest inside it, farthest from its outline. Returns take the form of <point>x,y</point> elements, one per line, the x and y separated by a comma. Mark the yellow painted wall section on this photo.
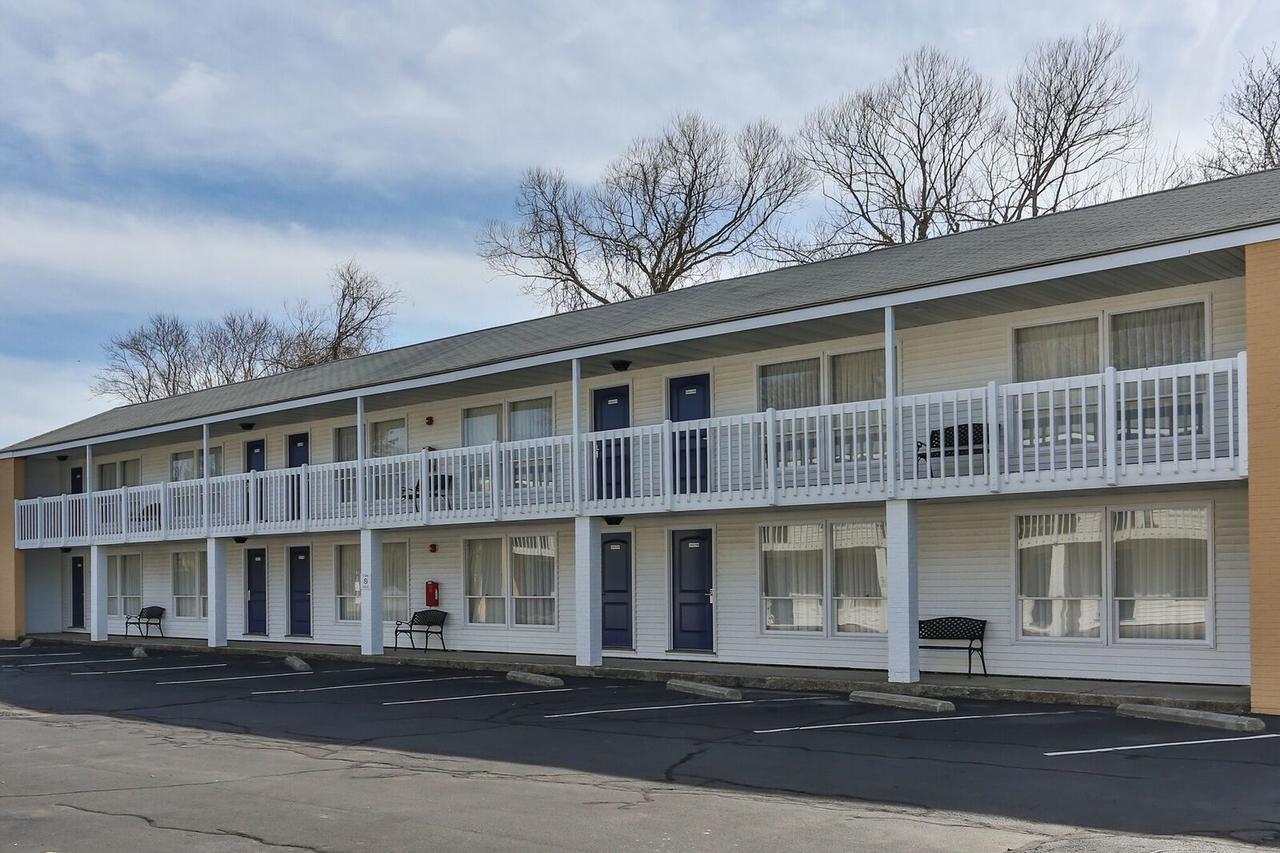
<point>13,622</point>
<point>1262,307</point>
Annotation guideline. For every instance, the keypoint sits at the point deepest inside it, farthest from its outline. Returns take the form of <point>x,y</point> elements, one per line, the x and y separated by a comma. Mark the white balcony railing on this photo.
<point>1160,425</point>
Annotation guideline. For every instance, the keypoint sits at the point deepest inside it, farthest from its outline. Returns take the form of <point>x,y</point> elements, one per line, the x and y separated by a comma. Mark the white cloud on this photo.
<point>41,395</point>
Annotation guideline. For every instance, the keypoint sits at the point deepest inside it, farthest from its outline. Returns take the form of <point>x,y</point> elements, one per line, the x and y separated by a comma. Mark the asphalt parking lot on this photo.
<point>1052,764</point>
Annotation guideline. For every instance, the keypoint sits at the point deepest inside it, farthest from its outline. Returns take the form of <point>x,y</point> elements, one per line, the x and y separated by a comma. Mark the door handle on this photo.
<point>711,596</point>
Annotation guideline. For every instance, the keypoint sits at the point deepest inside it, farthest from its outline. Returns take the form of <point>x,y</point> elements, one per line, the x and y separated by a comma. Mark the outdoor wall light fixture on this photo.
<point>432,547</point>
<point>246,425</point>
<point>612,520</point>
<point>62,457</point>
<point>620,364</point>
<point>65,550</point>
<point>240,540</point>
<point>430,420</point>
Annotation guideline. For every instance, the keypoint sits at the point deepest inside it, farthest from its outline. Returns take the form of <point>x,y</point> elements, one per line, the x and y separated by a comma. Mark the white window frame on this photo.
<point>508,585</point>
<point>370,423</point>
<point>408,572</point>
<point>333,452</point>
<point>1104,348</point>
<point>504,416</point>
<point>118,465</point>
<point>116,564</point>
<point>824,357</point>
<point>197,459</point>
<point>829,629</point>
<point>338,595</point>
<point>1110,633</point>
<point>202,585</point>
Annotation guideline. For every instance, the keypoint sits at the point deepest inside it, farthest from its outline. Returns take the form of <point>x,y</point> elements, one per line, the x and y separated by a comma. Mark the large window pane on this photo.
<point>858,577</point>
<point>131,472</point>
<point>395,581</point>
<point>190,584</point>
<point>1060,574</point>
<point>533,580</point>
<point>485,586</point>
<point>182,466</point>
<point>1054,350</point>
<point>114,586</point>
<point>345,444</point>
<point>791,557</point>
<point>107,477</point>
<point>1161,573</point>
<point>1158,336</point>
<point>857,376</point>
<point>790,385</point>
<point>348,575</point>
<point>481,425</point>
<point>530,419</point>
<point>387,438</point>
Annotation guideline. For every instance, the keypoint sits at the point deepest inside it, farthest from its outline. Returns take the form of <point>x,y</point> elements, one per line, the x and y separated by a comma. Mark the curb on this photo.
<point>798,683</point>
<point>698,688</point>
<point>900,700</point>
<point>1208,719</point>
<point>535,678</point>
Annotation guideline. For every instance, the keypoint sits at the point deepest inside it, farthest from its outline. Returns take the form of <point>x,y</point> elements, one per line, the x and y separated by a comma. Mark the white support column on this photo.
<point>90,483</point>
<point>904,591</point>
<point>577,437</point>
<point>360,454</point>
<point>889,453</point>
<point>97,593</point>
<point>206,496</point>
<point>216,553</point>
<point>371,632</point>
<point>587,589</point>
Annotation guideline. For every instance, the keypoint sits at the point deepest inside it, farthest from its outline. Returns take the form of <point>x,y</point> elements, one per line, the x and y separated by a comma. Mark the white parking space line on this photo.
<point>913,720</point>
<point>152,669</point>
<point>371,684</point>
<point>70,663</point>
<point>681,705</point>
<point>1158,745</point>
<point>481,696</point>
<point>45,655</point>
<point>267,675</point>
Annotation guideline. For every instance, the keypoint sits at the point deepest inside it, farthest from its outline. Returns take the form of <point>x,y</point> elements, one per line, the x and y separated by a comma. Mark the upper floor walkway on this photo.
<point>1153,426</point>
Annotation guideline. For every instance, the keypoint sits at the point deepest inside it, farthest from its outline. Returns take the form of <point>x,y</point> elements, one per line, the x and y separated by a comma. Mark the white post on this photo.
<point>587,589</point>
<point>889,451</point>
<point>90,481</point>
<point>495,479</point>
<point>304,497</point>
<point>1242,419</point>
<point>668,465</point>
<point>206,497</point>
<point>772,468</point>
<point>904,591</point>
<point>360,453</point>
<point>577,437</point>
<point>993,436</point>
<point>1110,441</point>
<point>216,556</point>
<point>371,631</point>
<point>97,593</point>
<point>424,487</point>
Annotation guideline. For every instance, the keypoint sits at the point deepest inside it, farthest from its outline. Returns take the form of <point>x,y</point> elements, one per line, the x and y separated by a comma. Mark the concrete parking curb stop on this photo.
<point>698,688</point>
<point>1229,722</point>
<point>535,678</point>
<point>296,663</point>
<point>139,652</point>
<point>900,700</point>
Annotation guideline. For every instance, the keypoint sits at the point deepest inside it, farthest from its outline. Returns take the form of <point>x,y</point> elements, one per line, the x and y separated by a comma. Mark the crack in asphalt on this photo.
<point>217,833</point>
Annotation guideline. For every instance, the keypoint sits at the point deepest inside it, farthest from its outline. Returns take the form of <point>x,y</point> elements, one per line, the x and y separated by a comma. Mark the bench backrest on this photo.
<point>957,438</point>
<point>155,611</point>
<point>430,618</point>
<point>953,628</point>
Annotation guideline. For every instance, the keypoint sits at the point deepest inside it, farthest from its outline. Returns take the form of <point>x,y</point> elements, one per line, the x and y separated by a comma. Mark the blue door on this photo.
<point>692,604</point>
<point>255,459</point>
<point>615,590</point>
<point>77,592</point>
<point>611,409</point>
<point>689,399</point>
<point>300,592</point>
<point>299,453</point>
<point>255,591</point>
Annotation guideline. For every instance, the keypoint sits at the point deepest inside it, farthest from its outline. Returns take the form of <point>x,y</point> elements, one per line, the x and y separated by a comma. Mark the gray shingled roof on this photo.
<point>1172,215</point>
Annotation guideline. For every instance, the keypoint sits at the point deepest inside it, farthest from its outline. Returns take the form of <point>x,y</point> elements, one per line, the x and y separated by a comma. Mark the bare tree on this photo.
<point>896,160</point>
<point>1245,134</point>
<point>667,213</point>
<point>1076,120</point>
<point>167,356</point>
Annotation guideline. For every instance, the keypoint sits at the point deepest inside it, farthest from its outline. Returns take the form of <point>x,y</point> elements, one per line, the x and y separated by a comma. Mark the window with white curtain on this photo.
<point>1156,337</point>
<point>189,464</point>
<point>857,376</point>
<point>528,419</point>
<point>791,571</point>
<point>1059,567</point>
<point>481,425</point>
<point>190,585</point>
<point>485,583</point>
<point>858,572</point>
<point>347,573</point>
<point>790,384</point>
<point>388,438</point>
<point>1161,573</point>
<point>124,584</point>
<point>108,477</point>
<point>533,579</point>
<point>395,581</point>
<point>345,444</point>
<point>1055,350</point>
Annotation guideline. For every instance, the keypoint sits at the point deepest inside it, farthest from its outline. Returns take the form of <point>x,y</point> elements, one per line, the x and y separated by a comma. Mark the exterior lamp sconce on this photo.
<point>62,457</point>
<point>612,520</point>
<point>65,550</point>
<point>620,364</point>
<point>246,425</point>
<point>432,547</point>
<point>430,421</point>
<point>240,540</point>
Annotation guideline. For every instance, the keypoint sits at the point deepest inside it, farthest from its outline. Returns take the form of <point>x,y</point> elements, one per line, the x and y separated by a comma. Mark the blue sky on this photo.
<point>191,157</point>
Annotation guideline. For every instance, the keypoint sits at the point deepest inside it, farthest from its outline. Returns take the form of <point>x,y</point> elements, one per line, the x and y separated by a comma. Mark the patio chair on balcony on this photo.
<point>950,442</point>
<point>439,485</point>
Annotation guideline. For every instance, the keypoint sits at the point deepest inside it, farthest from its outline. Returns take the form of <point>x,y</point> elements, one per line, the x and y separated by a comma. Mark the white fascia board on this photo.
<point>996,281</point>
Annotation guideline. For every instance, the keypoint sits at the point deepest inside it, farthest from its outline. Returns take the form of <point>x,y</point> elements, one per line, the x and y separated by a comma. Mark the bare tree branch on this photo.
<point>1246,130</point>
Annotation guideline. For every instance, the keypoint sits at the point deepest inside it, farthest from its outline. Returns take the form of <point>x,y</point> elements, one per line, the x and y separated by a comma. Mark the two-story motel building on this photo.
<point>1050,425</point>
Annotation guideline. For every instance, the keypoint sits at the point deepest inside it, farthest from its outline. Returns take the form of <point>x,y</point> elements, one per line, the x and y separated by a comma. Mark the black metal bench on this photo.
<point>957,628</point>
<point>953,441</point>
<point>147,616</point>
<point>425,622</point>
